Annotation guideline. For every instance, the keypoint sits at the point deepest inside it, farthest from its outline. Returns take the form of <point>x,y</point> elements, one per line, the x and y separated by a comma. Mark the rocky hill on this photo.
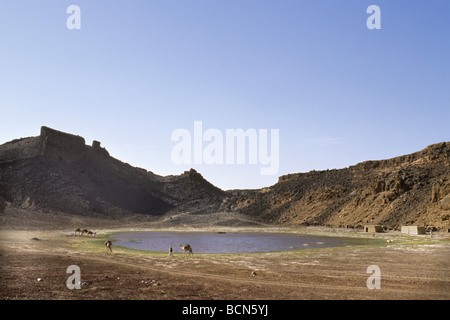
<point>410,189</point>
<point>58,172</point>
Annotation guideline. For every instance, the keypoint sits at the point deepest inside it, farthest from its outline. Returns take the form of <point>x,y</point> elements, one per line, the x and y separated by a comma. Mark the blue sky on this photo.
<point>338,92</point>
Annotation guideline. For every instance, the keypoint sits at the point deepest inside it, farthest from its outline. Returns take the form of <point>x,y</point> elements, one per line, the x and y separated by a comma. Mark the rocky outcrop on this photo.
<point>445,203</point>
<point>57,171</point>
<point>389,192</point>
<point>98,149</point>
<point>56,145</point>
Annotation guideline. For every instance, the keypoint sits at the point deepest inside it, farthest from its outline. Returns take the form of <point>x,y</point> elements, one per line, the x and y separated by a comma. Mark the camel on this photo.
<point>84,231</point>
<point>91,233</point>
<point>108,246</point>
<point>78,231</point>
<point>186,248</point>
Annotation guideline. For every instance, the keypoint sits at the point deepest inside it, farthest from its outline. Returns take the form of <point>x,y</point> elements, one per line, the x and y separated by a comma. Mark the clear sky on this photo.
<point>137,70</point>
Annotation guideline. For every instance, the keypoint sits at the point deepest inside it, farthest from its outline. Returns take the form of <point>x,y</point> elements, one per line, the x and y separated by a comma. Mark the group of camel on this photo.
<point>85,232</point>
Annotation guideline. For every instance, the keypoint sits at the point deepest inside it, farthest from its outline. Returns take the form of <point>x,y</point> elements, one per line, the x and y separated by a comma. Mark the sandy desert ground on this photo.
<point>33,265</point>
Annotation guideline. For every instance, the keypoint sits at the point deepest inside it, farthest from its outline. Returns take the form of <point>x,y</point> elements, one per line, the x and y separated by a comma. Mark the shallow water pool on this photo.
<point>221,242</point>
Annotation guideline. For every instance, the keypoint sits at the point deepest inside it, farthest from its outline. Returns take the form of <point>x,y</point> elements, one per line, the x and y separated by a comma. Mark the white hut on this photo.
<point>413,230</point>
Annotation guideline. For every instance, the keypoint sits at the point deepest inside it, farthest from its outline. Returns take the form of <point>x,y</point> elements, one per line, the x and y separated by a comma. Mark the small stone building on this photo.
<point>413,230</point>
<point>373,228</point>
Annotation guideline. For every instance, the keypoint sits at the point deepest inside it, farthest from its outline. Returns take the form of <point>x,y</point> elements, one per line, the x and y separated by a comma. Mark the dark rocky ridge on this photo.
<point>58,172</point>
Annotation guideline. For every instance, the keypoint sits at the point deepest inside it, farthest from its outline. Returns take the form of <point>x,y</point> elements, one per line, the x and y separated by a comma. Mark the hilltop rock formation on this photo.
<point>58,172</point>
